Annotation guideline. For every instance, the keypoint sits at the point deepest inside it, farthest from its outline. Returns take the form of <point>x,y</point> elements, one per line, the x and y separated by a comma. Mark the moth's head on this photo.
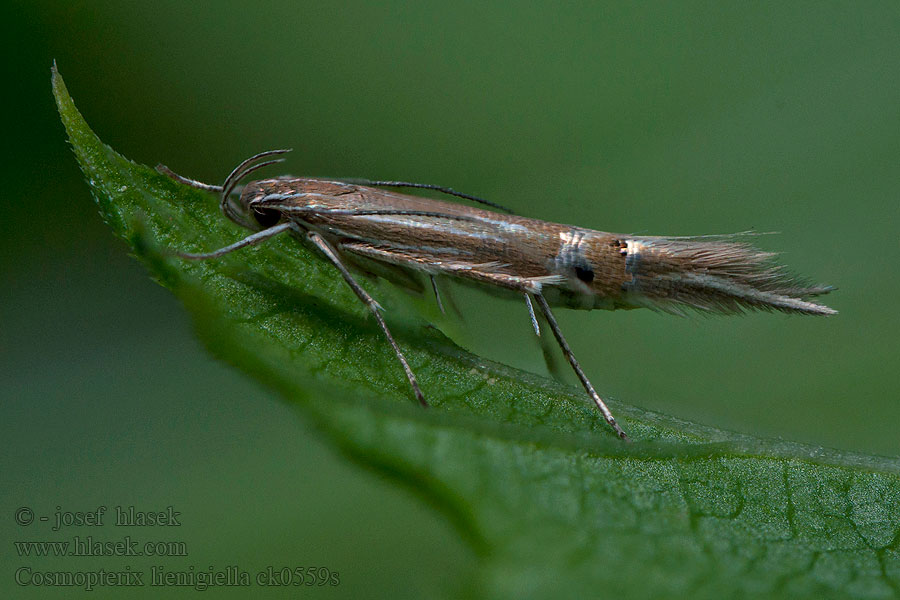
<point>248,210</point>
<point>263,204</point>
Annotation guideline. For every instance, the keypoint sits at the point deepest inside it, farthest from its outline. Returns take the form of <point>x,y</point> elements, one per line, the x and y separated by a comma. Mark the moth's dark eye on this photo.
<point>266,218</point>
<point>586,274</point>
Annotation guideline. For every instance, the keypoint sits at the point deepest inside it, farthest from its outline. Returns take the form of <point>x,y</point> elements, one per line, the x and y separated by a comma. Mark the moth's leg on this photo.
<point>534,321</point>
<point>447,296</point>
<point>488,273</point>
<point>444,298</point>
<point>483,273</point>
<point>437,294</point>
<point>329,252</point>
<point>250,240</point>
<point>207,187</point>
<point>550,360</point>
<point>554,327</point>
<point>546,350</point>
<point>239,172</point>
<point>404,260</point>
<point>161,168</point>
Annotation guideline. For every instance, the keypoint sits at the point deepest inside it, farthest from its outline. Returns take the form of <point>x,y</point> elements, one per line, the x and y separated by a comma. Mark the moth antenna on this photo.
<point>430,186</point>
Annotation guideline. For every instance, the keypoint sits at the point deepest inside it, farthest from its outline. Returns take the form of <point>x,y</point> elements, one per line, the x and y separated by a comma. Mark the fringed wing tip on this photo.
<point>724,277</point>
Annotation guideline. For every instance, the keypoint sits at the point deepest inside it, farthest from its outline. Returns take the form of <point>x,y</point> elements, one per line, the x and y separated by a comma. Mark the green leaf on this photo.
<point>553,502</point>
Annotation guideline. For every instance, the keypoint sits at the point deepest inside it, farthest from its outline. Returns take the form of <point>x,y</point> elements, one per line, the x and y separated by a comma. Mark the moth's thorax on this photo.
<point>298,191</point>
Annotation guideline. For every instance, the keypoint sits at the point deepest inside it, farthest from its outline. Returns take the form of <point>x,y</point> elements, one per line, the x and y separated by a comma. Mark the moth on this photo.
<point>545,264</point>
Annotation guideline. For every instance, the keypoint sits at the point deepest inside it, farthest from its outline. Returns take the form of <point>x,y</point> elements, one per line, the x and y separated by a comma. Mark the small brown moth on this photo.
<point>352,221</point>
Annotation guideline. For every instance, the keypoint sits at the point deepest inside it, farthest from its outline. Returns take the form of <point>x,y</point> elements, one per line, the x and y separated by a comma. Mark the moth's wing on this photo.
<point>397,275</point>
<point>492,273</point>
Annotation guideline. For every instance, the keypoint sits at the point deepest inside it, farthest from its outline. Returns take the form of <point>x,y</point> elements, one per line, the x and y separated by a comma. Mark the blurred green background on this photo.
<point>659,118</point>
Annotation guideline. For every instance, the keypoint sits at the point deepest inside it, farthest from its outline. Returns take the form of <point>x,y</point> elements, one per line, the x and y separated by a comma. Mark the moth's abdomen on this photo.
<point>712,275</point>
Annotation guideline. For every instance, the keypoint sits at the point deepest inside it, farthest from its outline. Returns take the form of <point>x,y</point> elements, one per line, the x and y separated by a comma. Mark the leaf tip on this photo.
<point>57,83</point>
<point>64,104</point>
